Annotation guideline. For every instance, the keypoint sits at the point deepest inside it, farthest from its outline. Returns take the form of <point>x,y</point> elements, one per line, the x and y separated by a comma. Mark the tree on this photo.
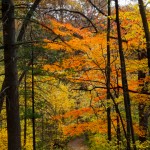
<point>143,110</point>
<point>11,76</point>
<point>10,84</point>
<point>19,39</point>
<point>124,84</point>
<point>108,70</point>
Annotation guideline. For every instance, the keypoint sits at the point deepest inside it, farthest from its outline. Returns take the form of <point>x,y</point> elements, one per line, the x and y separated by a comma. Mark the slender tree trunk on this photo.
<point>117,109</point>
<point>61,4</point>
<point>11,76</point>
<point>42,134</point>
<point>130,131</point>
<point>25,110</point>
<point>143,122</point>
<point>108,72</point>
<point>146,30</point>
<point>33,104</point>
<point>143,117</point>
<point>118,132</point>
<point>118,121</point>
<point>27,19</point>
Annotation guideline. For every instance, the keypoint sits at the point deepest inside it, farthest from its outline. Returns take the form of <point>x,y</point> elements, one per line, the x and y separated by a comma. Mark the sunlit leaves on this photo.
<point>3,137</point>
<point>85,65</point>
<point>77,129</point>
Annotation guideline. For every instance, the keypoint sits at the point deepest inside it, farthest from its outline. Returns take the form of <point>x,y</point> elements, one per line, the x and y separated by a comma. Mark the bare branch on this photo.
<point>76,12</point>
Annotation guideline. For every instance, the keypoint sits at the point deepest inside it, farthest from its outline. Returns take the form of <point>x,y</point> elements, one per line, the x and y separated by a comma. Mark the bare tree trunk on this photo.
<point>141,107</point>
<point>130,131</point>
<point>143,117</point>
<point>11,76</point>
<point>27,19</point>
<point>108,73</point>
<point>25,110</point>
<point>118,121</point>
<point>143,122</point>
<point>33,104</point>
<point>146,30</point>
<point>118,132</point>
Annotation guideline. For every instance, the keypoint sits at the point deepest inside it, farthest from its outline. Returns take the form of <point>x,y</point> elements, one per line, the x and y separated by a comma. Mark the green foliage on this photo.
<point>100,142</point>
<point>143,146</point>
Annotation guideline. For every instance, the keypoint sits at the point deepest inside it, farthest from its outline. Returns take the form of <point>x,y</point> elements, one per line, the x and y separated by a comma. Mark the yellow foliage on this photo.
<point>141,98</point>
<point>3,138</point>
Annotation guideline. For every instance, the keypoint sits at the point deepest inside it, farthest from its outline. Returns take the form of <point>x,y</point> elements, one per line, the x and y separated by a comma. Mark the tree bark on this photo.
<point>143,117</point>
<point>143,122</point>
<point>130,131</point>
<point>25,110</point>
<point>11,76</point>
<point>33,104</point>
<point>146,29</point>
<point>27,20</point>
<point>108,73</point>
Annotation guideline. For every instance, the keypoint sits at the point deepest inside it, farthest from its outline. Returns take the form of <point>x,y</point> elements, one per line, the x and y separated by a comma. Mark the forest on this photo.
<point>75,74</point>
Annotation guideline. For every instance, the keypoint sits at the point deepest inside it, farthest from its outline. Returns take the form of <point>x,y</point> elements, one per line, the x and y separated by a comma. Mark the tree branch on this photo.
<point>76,12</point>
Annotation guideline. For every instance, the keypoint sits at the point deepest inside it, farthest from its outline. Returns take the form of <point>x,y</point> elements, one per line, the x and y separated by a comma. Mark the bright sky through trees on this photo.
<point>126,2</point>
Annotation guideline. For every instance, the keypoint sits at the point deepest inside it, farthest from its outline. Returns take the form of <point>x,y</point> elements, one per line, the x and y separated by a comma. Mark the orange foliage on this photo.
<point>102,97</point>
<point>74,113</point>
<point>98,126</point>
<point>87,57</point>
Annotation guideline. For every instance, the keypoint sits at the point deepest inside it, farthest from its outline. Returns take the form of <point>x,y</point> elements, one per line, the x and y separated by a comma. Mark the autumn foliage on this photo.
<point>85,66</point>
<point>69,68</point>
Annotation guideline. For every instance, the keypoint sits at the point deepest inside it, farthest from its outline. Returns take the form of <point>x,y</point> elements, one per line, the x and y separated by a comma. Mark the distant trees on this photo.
<point>126,43</point>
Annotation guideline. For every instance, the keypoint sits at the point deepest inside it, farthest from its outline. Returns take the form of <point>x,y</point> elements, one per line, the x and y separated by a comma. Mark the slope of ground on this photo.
<point>77,144</point>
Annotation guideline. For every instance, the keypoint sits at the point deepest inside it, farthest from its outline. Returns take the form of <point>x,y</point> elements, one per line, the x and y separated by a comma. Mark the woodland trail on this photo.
<point>77,144</point>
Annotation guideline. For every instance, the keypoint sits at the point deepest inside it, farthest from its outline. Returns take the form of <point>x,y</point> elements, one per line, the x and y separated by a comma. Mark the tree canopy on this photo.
<point>74,69</point>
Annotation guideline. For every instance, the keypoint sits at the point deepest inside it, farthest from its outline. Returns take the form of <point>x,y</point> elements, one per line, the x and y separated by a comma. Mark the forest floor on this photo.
<point>77,144</point>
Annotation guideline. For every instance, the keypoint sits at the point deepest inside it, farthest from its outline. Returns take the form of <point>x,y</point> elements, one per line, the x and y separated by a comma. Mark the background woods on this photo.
<point>74,69</point>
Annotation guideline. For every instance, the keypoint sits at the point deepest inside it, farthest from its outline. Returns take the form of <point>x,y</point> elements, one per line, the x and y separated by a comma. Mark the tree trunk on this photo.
<point>27,20</point>
<point>118,121</point>
<point>143,122</point>
<point>146,30</point>
<point>143,117</point>
<point>108,74</point>
<point>33,104</point>
<point>11,76</point>
<point>130,131</point>
<point>25,110</point>
<point>118,133</point>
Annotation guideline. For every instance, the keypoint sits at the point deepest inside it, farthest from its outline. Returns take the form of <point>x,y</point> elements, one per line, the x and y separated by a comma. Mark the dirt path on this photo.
<point>77,144</point>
